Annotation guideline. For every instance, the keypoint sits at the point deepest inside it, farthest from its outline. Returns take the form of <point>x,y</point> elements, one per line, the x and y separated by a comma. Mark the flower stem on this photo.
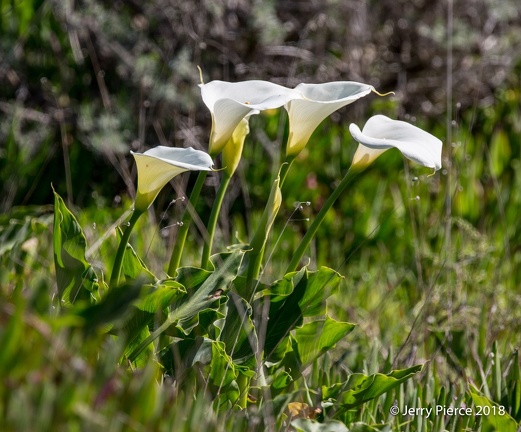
<point>257,249</point>
<point>258,242</point>
<point>284,168</point>
<point>175,258</point>
<point>243,383</point>
<point>212,222</point>
<point>312,230</point>
<point>120,254</point>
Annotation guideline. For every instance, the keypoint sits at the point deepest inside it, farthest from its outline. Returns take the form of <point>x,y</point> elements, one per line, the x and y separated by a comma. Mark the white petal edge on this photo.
<point>157,166</point>
<point>188,158</point>
<point>319,101</point>
<point>381,133</point>
<point>230,102</point>
<point>253,94</point>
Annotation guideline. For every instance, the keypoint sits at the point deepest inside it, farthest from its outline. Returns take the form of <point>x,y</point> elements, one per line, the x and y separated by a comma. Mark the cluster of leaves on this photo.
<point>206,333</point>
<point>210,330</point>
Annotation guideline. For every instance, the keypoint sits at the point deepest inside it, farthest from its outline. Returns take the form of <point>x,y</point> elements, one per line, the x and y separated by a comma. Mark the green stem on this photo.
<point>258,242</point>
<point>257,249</point>
<point>177,252</point>
<point>312,230</point>
<point>284,168</point>
<point>244,385</point>
<point>254,266</point>
<point>118,261</point>
<point>212,222</point>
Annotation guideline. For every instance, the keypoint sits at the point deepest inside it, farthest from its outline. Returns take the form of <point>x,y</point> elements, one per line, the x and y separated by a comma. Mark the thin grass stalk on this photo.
<point>120,254</point>
<point>177,252</point>
<point>306,240</point>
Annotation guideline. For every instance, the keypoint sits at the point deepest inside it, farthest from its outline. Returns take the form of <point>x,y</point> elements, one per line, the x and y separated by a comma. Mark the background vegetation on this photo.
<point>431,264</point>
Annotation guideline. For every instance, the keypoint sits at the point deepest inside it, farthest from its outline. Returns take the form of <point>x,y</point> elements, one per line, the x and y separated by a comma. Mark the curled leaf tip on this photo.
<point>200,74</point>
<point>383,94</point>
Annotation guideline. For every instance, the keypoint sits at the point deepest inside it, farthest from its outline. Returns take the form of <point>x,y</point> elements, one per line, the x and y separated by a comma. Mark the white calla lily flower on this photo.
<point>381,133</point>
<point>318,101</point>
<point>157,166</point>
<point>230,102</point>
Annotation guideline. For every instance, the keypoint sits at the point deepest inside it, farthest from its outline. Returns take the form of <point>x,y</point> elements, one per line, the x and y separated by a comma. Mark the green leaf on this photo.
<point>192,277</point>
<point>297,295</point>
<point>281,380</point>
<point>492,418</point>
<point>202,323</point>
<point>317,337</point>
<point>222,368</point>
<point>134,339</point>
<point>238,333</point>
<point>117,303</point>
<point>160,295</point>
<point>359,388</point>
<point>199,298</point>
<point>73,272</point>
<point>133,266</point>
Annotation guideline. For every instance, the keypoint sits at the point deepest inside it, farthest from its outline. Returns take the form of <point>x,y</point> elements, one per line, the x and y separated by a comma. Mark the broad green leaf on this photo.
<point>153,299</point>
<point>133,266</point>
<point>132,329</point>
<point>73,272</point>
<point>117,303</point>
<point>141,333</point>
<point>222,368</point>
<point>238,333</point>
<point>359,388</point>
<point>201,323</point>
<point>281,380</point>
<point>307,296</point>
<point>317,337</point>
<point>307,425</point>
<point>320,285</point>
<point>492,418</point>
<point>282,288</point>
<point>161,295</point>
<point>283,349</point>
<point>192,277</point>
<point>198,299</point>
<point>207,354</point>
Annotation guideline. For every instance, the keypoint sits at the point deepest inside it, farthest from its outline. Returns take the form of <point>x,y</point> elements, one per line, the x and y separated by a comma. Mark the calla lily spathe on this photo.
<point>317,102</point>
<point>230,102</point>
<point>157,166</point>
<point>381,133</point>
<point>232,151</point>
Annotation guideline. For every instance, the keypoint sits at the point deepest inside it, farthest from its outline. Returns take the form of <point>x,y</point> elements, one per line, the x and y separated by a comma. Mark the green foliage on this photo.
<point>74,275</point>
<point>317,337</point>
